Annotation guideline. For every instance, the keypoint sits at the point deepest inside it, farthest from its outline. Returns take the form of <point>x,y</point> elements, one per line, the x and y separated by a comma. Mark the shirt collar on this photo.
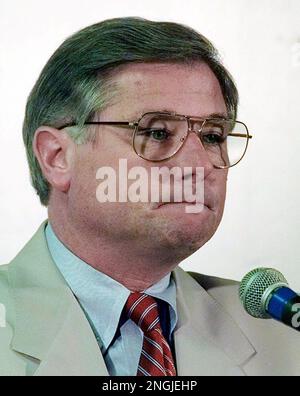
<point>102,297</point>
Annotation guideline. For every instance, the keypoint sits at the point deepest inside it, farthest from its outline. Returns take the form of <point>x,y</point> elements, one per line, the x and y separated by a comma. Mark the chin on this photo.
<point>186,238</point>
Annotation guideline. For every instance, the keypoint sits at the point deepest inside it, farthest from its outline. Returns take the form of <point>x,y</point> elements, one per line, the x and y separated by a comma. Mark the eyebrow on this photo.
<point>139,113</point>
<point>217,115</point>
<point>165,110</point>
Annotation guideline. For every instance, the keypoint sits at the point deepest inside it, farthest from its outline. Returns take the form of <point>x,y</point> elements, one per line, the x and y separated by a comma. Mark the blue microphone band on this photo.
<point>284,305</point>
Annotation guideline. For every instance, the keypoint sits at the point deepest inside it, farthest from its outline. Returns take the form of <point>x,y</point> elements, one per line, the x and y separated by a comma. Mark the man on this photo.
<point>98,290</point>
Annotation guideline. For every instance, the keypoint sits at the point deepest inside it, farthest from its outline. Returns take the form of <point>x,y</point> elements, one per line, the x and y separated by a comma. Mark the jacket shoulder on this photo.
<point>210,282</point>
<point>4,284</point>
<point>225,291</point>
<point>6,300</point>
<point>10,363</point>
<point>273,341</point>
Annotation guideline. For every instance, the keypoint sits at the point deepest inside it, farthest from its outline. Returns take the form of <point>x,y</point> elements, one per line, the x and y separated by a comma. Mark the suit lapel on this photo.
<point>207,340</point>
<point>74,350</point>
<point>50,326</point>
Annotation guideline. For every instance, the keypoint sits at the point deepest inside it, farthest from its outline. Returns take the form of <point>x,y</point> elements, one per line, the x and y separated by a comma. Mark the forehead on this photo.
<point>187,89</point>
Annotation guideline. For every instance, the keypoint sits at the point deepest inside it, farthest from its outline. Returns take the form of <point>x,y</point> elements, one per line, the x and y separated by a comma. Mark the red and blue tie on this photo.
<point>156,357</point>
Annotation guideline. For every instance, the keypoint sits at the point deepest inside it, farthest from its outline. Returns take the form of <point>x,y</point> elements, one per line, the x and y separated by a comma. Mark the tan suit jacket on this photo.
<point>47,333</point>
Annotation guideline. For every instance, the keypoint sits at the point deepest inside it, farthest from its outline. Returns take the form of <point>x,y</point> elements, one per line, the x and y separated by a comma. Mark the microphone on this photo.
<point>265,294</point>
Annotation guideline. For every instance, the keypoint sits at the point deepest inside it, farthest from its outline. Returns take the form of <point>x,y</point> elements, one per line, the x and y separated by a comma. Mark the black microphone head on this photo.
<point>256,287</point>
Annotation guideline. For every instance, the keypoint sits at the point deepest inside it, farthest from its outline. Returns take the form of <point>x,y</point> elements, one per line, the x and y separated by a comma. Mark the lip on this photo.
<point>157,205</point>
<point>208,200</point>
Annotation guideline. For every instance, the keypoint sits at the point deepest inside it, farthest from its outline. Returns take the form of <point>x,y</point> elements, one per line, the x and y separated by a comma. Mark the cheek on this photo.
<point>91,162</point>
<point>84,183</point>
<point>220,185</point>
<point>222,189</point>
<point>223,184</point>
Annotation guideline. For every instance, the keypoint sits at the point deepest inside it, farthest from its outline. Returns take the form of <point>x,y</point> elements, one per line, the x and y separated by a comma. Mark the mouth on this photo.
<point>158,205</point>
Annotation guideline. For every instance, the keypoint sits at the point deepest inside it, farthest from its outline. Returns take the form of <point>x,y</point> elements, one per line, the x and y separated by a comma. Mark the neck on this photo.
<point>134,265</point>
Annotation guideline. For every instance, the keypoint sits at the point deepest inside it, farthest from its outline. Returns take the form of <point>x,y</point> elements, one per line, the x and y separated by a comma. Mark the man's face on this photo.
<point>188,90</point>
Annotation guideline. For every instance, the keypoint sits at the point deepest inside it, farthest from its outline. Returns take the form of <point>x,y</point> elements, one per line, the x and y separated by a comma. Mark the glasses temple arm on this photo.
<point>240,135</point>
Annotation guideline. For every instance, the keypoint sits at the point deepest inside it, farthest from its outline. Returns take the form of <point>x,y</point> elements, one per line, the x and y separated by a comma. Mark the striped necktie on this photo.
<point>156,357</point>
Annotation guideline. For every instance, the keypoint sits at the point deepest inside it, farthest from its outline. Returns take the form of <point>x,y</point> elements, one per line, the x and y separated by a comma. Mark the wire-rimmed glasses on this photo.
<point>158,136</point>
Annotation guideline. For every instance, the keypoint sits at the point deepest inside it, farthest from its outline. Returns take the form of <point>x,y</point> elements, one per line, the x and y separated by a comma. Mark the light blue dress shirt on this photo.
<point>102,299</point>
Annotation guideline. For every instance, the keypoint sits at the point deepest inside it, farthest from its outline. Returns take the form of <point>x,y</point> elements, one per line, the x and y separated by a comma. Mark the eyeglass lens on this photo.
<point>159,136</point>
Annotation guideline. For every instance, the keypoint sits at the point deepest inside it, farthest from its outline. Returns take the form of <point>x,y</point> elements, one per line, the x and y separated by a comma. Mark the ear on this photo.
<point>54,150</point>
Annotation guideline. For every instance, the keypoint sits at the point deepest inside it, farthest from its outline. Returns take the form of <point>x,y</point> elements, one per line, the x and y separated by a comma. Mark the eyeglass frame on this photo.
<point>188,118</point>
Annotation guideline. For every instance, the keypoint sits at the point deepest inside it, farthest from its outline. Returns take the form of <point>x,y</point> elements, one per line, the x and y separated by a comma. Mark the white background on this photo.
<point>260,44</point>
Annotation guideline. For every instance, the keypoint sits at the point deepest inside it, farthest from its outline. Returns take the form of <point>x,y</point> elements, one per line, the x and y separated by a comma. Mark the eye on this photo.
<point>159,135</point>
<point>212,138</point>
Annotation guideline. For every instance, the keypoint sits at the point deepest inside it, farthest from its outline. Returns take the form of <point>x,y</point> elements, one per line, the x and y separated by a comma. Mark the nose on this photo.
<point>193,153</point>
